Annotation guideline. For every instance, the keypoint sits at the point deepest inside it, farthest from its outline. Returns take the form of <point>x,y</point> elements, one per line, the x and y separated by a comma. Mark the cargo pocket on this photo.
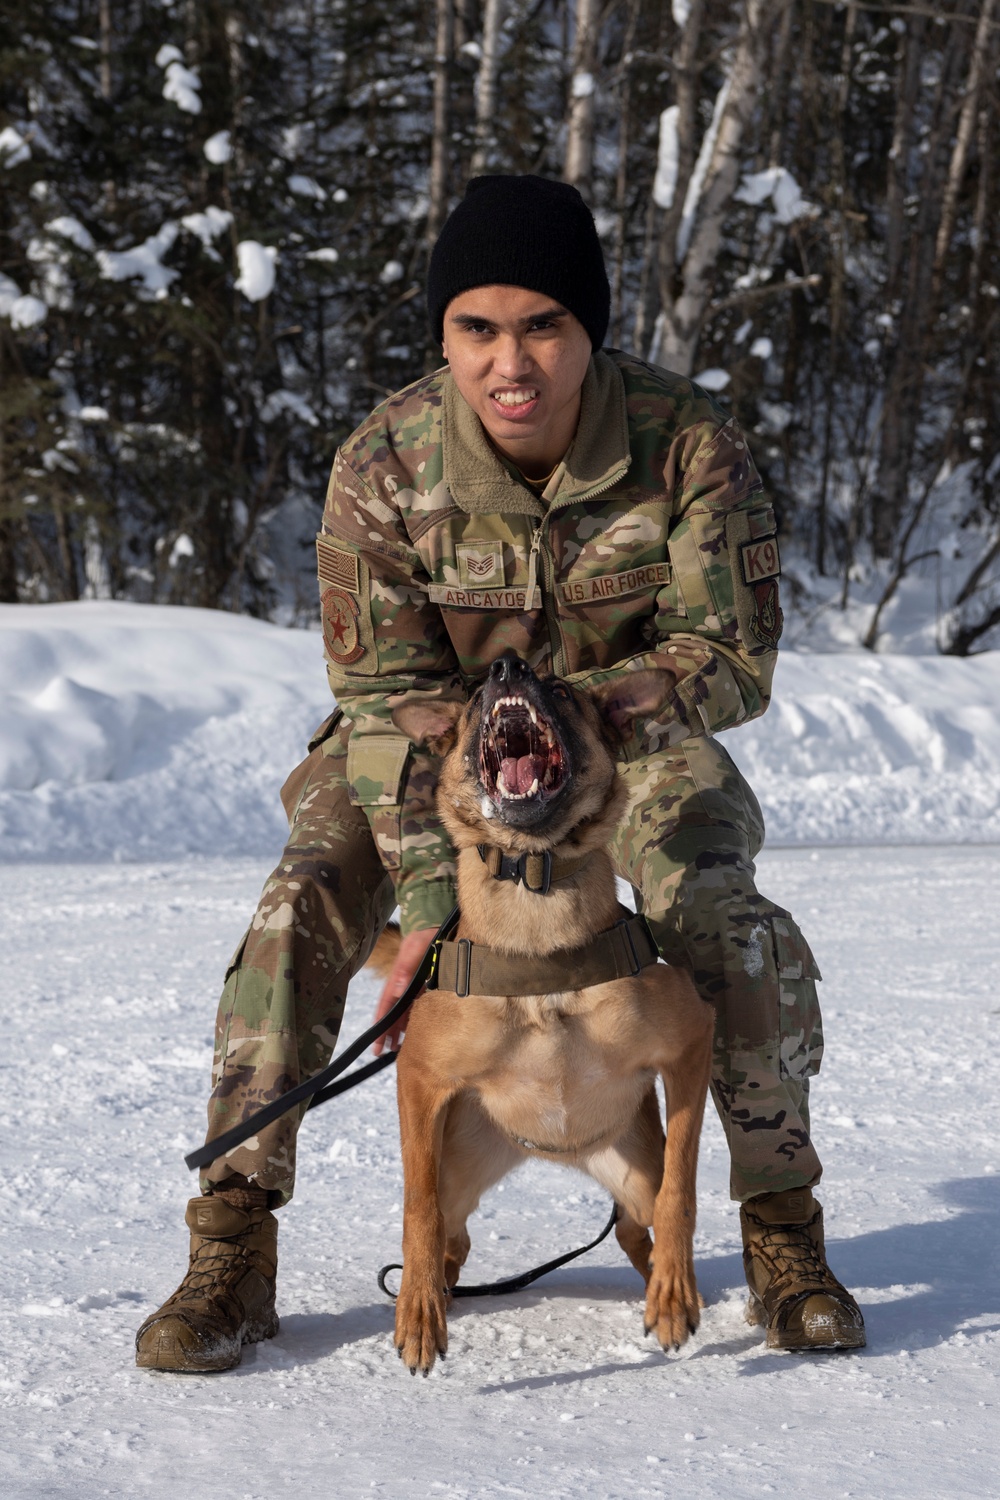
<point>798,1004</point>
<point>376,775</point>
<point>297,780</point>
<point>234,962</point>
<point>322,734</point>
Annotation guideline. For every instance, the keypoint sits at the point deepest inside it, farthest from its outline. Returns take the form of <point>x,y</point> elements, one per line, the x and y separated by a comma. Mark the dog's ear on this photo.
<point>432,724</point>
<point>632,695</point>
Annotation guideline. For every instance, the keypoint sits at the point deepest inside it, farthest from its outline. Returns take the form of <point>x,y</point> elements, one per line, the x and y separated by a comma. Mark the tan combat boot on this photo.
<point>226,1299</point>
<point>792,1289</point>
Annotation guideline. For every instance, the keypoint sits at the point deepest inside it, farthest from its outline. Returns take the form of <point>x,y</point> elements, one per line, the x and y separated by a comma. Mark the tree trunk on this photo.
<point>578,170</point>
<point>978,65</point>
<point>917,322</point>
<point>837,276</point>
<point>664,217</point>
<point>688,261</point>
<point>621,177</point>
<point>486,87</point>
<point>440,155</point>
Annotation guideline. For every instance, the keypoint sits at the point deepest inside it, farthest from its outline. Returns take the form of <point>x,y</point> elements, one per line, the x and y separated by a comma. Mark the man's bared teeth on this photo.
<point>514,398</point>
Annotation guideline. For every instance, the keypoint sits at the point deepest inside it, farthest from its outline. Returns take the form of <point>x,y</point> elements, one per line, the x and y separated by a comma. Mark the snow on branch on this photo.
<point>181,85</point>
<point>778,184</point>
<point>256,262</point>
<point>143,261</point>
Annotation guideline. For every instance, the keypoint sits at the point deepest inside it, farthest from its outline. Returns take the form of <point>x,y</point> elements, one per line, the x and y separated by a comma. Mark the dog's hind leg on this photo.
<point>474,1155</point>
<point>635,1241</point>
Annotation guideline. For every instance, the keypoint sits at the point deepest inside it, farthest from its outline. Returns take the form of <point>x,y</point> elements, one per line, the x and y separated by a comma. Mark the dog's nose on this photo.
<point>508,666</point>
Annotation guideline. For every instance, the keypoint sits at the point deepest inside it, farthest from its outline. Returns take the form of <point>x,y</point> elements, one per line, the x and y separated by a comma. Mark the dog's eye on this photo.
<point>560,690</point>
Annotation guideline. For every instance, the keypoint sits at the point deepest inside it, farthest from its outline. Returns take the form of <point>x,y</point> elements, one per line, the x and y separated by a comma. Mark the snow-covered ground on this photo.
<point>110,979</point>
<point>136,731</point>
<point>137,746</point>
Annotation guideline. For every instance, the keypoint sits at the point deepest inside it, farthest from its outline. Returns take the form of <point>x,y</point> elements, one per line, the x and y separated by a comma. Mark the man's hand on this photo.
<point>411,950</point>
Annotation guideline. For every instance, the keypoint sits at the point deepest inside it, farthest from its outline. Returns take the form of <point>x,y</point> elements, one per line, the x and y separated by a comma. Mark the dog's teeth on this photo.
<point>532,715</point>
<point>533,788</point>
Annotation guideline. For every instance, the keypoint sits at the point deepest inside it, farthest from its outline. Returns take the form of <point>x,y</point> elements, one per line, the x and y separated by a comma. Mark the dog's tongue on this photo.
<point>518,772</point>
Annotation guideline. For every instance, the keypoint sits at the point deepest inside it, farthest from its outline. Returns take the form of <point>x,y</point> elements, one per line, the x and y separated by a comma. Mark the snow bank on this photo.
<point>127,729</point>
<point>857,748</point>
<point>131,730</point>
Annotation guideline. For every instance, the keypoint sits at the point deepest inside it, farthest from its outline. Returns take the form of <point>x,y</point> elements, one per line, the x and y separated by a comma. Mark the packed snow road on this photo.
<point>110,975</point>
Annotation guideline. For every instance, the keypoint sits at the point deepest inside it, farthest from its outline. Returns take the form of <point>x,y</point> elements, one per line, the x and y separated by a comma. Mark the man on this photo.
<point>595,514</point>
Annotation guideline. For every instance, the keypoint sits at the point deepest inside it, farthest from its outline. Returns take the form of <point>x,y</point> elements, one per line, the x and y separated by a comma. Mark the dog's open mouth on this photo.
<point>521,758</point>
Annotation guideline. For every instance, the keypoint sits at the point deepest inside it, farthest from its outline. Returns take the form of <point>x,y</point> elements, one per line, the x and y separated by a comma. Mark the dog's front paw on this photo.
<point>672,1303</point>
<point>421,1327</point>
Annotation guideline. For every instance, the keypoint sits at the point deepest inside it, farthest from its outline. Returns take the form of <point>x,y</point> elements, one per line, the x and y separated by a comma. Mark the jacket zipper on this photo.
<point>548,576</point>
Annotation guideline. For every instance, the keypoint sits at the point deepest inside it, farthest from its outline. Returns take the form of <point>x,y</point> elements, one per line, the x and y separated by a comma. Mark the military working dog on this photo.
<point>563,1066</point>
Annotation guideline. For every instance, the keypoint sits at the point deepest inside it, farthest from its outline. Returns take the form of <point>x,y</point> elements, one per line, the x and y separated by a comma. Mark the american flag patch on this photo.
<point>335,566</point>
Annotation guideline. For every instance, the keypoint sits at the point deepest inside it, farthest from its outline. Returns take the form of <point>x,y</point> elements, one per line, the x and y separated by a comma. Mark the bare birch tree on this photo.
<point>437,207</point>
<point>979,64</point>
<point>580,120</point>
<point>486,86</point>
<point>689,252</point>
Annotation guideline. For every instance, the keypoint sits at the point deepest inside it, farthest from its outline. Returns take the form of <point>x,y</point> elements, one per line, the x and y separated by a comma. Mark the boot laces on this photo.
<point>207,1269</point>
<point>794,1255</point>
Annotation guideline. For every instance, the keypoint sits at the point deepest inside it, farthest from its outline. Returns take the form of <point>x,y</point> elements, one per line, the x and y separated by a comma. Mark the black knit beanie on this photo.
<point>522,231</point>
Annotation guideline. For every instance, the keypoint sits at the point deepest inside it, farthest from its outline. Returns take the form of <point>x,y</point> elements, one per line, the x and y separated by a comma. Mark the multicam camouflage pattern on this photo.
<point>687,845</point>
<point>652,545</point>
<point>317,921</point>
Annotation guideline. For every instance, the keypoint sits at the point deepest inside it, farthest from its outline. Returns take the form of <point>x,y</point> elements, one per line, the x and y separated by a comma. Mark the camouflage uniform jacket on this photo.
<point>652,545</point>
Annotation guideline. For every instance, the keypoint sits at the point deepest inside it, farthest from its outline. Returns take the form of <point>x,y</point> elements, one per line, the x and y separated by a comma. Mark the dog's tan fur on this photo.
<point>574,1071</point>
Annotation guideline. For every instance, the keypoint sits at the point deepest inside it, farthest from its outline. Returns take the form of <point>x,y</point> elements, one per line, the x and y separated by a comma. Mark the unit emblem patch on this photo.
<point>767,620</point>
<point>341,626</point>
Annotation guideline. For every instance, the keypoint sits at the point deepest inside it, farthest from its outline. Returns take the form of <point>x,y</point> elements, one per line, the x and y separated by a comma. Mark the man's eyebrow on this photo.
<point>546,315</point>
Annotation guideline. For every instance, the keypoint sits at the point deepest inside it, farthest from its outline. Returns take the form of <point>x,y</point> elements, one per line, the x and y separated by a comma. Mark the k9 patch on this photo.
<point>760,560</point>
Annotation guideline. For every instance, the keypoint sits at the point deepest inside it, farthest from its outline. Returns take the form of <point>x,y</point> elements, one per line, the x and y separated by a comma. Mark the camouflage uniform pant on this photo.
<point>687,846</point>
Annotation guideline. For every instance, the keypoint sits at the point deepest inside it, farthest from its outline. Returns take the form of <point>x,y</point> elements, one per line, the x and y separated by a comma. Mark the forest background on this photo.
<point>215,220</point>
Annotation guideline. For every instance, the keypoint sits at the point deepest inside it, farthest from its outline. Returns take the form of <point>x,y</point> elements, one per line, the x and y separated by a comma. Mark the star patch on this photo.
<point>341,626</point>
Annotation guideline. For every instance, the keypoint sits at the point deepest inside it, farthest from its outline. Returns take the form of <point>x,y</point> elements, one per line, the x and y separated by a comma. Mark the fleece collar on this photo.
<point>598,456</point>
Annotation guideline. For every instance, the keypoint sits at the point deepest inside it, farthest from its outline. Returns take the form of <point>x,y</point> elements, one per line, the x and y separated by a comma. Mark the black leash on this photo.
<point>316,1089</point>
<point>512,1283</point>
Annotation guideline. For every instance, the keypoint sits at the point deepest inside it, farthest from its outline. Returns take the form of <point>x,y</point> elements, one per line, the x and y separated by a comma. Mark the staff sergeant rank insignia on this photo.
<point>341,630</point>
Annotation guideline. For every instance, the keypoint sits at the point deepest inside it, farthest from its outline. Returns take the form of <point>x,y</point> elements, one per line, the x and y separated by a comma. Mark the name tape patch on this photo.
<point>444,593</point>
<point>335,566</point>
<point>614,585</point>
